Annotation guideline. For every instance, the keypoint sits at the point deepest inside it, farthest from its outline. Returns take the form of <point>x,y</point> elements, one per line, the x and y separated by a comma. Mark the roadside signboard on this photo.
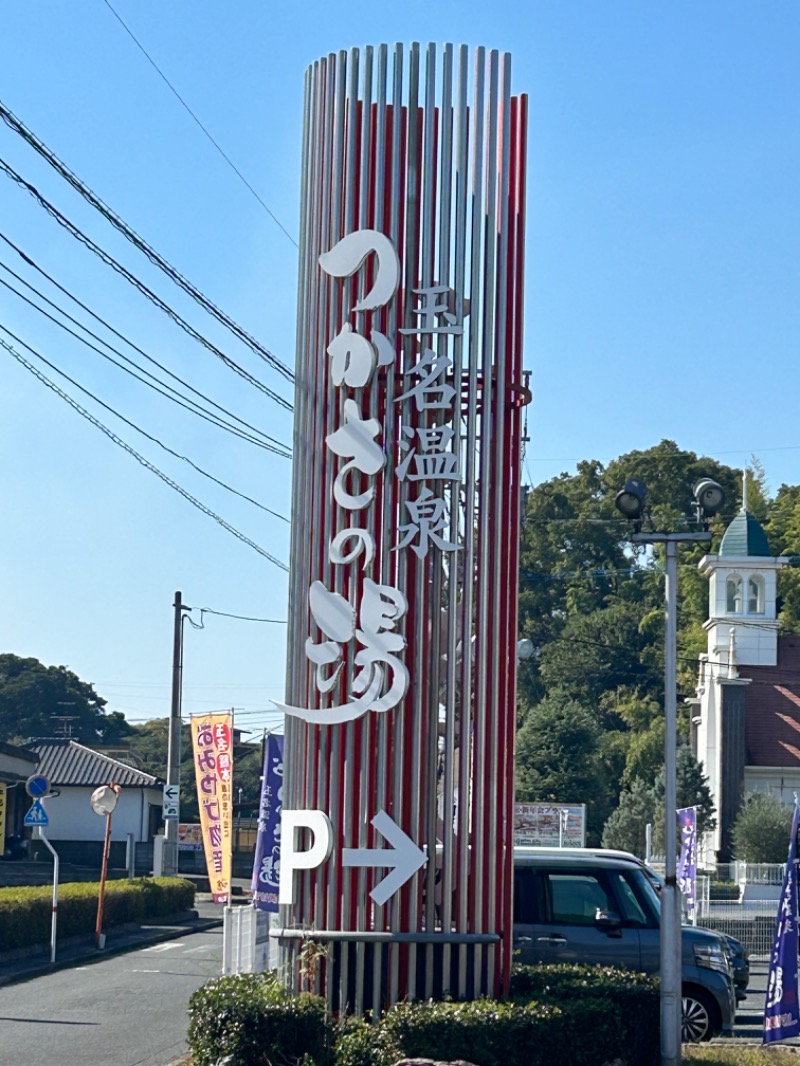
<point>172,802</point>
<point>37,815</point>
<point>190,836</point>
<point>550,825</point>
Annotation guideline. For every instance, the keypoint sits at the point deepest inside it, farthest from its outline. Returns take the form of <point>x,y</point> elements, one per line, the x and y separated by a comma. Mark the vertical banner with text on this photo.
<point>687,864</point>
<point>781,1014</point>
<point>2,818</point>
<point>212,748</point>
<point>266,866</point>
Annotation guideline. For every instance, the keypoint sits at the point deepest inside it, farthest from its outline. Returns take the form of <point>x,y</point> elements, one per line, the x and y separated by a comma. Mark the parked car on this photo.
<point>738,956</point>
<point>573,905</point>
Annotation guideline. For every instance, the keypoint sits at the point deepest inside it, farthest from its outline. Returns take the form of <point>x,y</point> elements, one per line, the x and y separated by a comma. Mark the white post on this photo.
<point>130,856</point>
<point>158,855</point>
<point>54,920</point>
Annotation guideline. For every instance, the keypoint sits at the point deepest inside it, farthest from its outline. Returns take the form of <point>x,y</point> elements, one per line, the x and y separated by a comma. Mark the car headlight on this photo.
<point>712,958</point>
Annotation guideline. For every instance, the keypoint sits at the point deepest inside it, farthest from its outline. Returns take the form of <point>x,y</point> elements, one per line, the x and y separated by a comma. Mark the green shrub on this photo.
<point>725,890</point>
<point>25,913</point>
<point>360,1044</point>
<point>254,1019</point>
<point>630,999</point>
<point>483,1032</point>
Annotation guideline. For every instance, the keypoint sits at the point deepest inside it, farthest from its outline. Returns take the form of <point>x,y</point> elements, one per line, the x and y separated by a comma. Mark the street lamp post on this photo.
<point>709,498</point>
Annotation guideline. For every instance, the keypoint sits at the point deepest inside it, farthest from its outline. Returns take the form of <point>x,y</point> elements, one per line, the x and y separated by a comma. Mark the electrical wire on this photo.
<point>172,89</point>
<point>187,404</point>
<point>139,429</point>
<point>241,617</point>
<point>80,236</point>
<point>140,458</point>
<point>122,227</point>
<point>126,340</point>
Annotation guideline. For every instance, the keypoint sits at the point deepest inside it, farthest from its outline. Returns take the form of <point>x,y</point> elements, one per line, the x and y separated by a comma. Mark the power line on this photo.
<point>182,401</point>
<point>172,89</point>
<point>141,431</point>
<point>122,227</point>
<point>140,458</point>
<point>126,340</point>
<point>78,234</point>
<point>241,617</point>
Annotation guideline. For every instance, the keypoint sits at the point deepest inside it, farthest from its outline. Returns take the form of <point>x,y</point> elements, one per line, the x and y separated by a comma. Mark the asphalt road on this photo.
<point>126,1010</point>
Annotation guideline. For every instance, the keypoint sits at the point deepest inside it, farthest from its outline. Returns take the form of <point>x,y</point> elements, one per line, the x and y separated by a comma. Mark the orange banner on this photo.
<point>212,745</point>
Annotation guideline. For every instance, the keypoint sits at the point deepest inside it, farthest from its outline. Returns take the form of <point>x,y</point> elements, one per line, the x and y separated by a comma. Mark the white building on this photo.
<point>75,771</point>
<point>748,733</point>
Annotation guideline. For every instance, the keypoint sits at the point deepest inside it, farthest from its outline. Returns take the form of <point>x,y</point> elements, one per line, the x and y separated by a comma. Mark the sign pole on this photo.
<point>54,920</point>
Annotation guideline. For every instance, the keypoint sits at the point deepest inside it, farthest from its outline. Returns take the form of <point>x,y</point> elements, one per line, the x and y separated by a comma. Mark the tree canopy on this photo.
<point>47,701</point>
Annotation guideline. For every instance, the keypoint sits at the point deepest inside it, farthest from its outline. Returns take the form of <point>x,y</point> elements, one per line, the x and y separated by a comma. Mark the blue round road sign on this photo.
<point>37,785</point>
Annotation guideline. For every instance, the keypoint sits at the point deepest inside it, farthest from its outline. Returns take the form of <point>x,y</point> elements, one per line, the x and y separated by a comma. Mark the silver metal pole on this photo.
<point>670,919</point>
<point>54,920</point>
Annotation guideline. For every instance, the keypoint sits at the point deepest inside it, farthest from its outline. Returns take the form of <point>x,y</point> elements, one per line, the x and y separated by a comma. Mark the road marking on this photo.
<point>145,971</point>
<point>162,947</point>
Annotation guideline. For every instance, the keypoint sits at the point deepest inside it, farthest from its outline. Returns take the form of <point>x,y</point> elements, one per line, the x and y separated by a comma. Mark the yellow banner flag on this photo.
<point>212,746</point>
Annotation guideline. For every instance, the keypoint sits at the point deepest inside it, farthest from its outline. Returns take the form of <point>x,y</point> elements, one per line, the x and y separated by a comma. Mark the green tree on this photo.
<point>33,697</point>
<point>626,829</point>
<point>558,758</point>
<point>762,829</point>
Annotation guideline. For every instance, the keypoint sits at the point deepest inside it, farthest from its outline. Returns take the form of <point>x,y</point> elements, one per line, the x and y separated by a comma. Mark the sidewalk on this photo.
<point>74,952</point>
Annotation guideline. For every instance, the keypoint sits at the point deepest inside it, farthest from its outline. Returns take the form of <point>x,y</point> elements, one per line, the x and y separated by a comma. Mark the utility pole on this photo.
<point>174,745</point>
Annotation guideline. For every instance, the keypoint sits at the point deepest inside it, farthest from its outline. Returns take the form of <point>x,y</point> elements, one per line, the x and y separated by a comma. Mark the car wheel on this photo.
<point>697,1017</point>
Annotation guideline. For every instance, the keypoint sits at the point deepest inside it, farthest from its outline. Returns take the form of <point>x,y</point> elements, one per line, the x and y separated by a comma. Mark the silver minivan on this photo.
<point>587,907</point>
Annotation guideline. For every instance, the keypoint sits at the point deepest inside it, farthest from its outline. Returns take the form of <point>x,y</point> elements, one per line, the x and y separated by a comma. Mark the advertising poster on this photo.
<point>550,825</point>
<point>190,836</point>
<point>266,866</point>
<point>212,748</point>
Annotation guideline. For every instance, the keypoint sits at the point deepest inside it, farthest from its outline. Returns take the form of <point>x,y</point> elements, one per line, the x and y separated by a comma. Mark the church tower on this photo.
<point>742,632</point>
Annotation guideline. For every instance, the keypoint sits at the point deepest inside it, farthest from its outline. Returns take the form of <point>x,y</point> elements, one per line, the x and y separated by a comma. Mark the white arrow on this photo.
<point>170,792</point>
<point>403,856</point>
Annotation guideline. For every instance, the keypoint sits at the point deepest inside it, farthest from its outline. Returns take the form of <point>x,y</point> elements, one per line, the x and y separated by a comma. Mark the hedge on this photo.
<point>631,999</point>
<point>25,913</point>
<point>573,1015</point>
<point>724,890</point>
<point>257,1022</point>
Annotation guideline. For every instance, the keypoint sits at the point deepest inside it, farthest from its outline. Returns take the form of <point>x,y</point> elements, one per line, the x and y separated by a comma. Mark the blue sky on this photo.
<point>661,287</point>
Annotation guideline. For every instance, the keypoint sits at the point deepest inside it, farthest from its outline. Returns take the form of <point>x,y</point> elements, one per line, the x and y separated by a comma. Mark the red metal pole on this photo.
<point>102,893</point>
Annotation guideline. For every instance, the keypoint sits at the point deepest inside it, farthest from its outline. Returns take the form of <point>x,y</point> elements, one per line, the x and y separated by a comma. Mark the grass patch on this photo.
<point>739,1056</point>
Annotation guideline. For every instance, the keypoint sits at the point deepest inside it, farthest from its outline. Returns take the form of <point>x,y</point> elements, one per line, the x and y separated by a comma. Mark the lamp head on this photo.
<point>709,497</point>
<point>525,649</point>
<point>630,499</point>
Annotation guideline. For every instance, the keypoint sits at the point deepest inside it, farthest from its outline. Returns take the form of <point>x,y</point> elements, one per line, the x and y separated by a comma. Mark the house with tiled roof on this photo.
<point>747,734</point>
<point>74,772</point>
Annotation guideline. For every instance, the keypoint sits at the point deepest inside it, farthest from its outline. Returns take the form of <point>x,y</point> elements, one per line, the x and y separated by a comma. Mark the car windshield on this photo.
<point>645,891</point>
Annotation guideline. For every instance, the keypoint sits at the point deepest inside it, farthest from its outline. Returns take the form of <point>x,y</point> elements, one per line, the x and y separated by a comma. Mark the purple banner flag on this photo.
<point>687,864</point>
<point>781,1015</point>
<point>266,867</point>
